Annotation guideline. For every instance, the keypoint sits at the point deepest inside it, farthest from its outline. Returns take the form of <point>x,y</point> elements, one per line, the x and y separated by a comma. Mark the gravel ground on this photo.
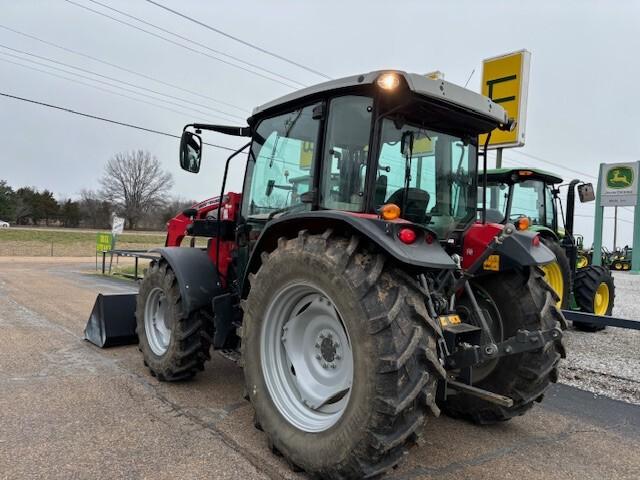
<point>608,362</point>
<point>71,410</point>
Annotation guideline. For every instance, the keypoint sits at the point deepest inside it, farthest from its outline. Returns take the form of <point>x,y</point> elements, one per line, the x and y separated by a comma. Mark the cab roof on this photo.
<point>437,90</point>
<point>515,175</point>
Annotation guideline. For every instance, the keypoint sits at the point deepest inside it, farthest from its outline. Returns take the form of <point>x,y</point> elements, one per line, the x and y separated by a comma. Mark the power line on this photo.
<point>606,218</point>
<point>179,44</point>
<point>237,39</point>
<point>534,157</point>
<point>186,114</point>
<point>124,69</point>
<point>218,52</point>
<point>103,119</point>
<point>115,80</point>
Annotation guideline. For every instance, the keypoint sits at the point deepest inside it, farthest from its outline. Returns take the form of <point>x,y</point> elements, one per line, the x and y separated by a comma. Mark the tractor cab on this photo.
<point>394,146</point>
<point>527,193</point>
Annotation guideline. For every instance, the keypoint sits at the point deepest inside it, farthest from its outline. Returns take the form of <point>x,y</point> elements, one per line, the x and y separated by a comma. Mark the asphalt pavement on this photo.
<point>71,410</point>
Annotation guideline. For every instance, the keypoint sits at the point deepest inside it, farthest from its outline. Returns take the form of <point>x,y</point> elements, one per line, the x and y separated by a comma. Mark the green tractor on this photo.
<point>621,259</point>
<point>583,256</point>
<point>530,198</point>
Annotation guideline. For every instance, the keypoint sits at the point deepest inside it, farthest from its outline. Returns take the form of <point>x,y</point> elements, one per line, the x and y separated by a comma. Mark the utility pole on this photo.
<point>499,158</point>
<point>615,227</point>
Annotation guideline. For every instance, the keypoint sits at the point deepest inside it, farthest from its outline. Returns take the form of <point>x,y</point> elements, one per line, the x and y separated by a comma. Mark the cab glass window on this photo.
<point>281,164</point>
<point>528,200</point>
<point>430,175</point>
<point>345,153</point>
<point>549,210</point>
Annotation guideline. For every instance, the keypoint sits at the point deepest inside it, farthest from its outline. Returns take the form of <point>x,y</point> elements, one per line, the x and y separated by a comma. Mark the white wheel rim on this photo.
<point>156,322</point>
<point>306,358</point>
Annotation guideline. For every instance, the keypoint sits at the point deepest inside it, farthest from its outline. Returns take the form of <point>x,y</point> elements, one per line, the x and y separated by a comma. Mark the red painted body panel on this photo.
<point>177,226</point>
<point>476,240</point>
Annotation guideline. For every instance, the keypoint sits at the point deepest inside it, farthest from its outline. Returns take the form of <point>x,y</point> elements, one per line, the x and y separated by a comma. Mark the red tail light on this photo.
<point>536,241</point>
<point>406,235</point>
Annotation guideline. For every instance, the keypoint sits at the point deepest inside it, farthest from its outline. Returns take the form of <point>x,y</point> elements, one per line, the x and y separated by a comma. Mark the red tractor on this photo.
<point>351,279</point>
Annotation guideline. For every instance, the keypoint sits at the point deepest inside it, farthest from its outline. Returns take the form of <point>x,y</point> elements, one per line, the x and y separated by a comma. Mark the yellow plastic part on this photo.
<point>601,299</point>
<point>582,261</point>
<point>553,276</point>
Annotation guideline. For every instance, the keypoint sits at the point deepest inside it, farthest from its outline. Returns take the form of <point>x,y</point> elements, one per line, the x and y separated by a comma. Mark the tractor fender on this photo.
<point>196,274</point>
<point>544,232</point>
<point>384,234</point>
<point>522,249</point>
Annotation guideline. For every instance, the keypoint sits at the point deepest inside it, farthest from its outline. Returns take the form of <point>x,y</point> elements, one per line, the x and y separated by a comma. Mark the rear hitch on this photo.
<point>468,355</point>
<point>461,351</point>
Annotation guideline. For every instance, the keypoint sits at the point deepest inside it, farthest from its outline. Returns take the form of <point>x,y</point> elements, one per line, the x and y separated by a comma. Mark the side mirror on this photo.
<point>586,193</point>
<point>190,152</point>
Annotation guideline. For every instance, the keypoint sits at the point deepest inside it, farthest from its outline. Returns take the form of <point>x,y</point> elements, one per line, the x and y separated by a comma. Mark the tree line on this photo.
<point>133,186</point>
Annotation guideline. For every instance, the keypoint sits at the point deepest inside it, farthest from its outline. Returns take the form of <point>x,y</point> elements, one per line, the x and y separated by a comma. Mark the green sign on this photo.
<point>620,177</point>
<point>104,242</point>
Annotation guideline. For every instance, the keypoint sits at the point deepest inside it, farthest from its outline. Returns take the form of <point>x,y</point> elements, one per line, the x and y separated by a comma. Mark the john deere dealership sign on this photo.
<point>619,184</point>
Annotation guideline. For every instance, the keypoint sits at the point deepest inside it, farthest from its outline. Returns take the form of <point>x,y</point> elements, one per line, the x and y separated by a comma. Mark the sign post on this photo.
<point>104,243</point>
<point>618,187</point>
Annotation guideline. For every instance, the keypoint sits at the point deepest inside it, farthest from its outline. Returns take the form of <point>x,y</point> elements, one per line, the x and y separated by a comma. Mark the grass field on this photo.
<point>67,242</point>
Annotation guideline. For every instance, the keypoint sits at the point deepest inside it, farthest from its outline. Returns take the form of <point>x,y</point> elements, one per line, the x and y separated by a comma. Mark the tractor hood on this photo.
<point>438,91</point>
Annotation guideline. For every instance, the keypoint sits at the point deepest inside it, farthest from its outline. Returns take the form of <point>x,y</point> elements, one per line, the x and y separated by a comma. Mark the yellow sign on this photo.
<point>104,242</point>
<point>306,155</point>
<point>492,263</point>
<point>422,147</point>
<point>505,80</point>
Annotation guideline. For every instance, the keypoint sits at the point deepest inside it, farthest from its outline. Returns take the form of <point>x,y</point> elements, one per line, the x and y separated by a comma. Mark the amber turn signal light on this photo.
<point>523,223</point>
<point>390,211</point>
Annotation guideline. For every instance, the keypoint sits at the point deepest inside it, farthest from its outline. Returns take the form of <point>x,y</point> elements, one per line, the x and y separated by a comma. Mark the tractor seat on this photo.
<point>416,205</point>
<point>494,216</point>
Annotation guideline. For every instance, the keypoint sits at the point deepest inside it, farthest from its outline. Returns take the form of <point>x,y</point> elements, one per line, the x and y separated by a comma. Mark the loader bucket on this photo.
<point>112,321</point>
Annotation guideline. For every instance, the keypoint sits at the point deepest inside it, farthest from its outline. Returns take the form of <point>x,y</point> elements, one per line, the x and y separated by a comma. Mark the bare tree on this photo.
<point>135,183</point>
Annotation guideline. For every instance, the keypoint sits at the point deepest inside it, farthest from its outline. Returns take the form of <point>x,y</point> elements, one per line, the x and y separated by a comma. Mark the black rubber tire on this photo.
<point>617,265</point>
<point>190,337</point>
<point>394,354</point>
<point>563,262</point>
<point>587,281</point>
<point>523,301</point>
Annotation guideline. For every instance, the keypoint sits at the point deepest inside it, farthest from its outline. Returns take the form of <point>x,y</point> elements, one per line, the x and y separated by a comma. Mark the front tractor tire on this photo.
<point>594,292</point>
<point>513,301</point>
<point>339,356</point>
<point>174,346</point>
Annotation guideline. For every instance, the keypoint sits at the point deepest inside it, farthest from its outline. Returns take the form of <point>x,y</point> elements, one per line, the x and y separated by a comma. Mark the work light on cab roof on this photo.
<point>388,81</point>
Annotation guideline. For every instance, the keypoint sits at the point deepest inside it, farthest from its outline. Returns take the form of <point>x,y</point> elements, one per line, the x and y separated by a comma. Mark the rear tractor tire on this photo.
<point>513,301</point>
<point>174,345</point>
<point>594,292</point>
<point>339,356</point>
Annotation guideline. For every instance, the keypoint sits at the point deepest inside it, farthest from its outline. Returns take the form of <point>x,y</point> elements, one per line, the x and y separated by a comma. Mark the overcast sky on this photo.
<point>583,106</point>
